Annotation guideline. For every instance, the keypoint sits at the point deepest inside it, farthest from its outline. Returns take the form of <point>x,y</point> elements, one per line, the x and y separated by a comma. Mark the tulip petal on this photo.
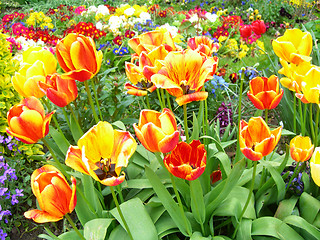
<point>152,135</point>
<point>74,160</point>
<point>169,142</point>
<point>41,217</point>
<point>196,96</point>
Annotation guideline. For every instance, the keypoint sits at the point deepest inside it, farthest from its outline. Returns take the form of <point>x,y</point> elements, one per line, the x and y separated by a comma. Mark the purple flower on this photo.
<point>14,199</point>
<point>2,179</point>
<point>2,192</point>
<point>8,139</point>
<point>3,235</point>
<point>1,139</point>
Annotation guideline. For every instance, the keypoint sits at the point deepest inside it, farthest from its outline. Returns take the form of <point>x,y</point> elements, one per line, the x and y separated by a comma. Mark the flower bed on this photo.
<point>161,121</point>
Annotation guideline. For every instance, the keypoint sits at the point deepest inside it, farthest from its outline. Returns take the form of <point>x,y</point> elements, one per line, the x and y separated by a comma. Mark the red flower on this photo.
<point>118,40</point>
<point>163,13</point>
<point>258,27</point>
<point>245,31</point>
<point>187,161</point>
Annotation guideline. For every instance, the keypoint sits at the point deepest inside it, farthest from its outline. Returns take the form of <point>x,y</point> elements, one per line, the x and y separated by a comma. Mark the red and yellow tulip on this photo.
<point>101,153</point>
<point>184,74</point>
<point>265,93</point>
<point>187,161</point>
<point>301,148</point>
<point>27,120</point>
<point>59,91</point>
<point>78,57</point>
<point>294,46</point>
<point>157,131</point>
<point>203,45</point>
<point>256,139</point>
<point>54,195</point>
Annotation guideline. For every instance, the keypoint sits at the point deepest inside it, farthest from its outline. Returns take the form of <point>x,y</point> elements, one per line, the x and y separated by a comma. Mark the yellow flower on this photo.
<point>310,85</point>
<point>315,166</point>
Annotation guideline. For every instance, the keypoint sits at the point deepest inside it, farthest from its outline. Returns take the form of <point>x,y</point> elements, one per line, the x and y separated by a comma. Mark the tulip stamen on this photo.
<point>144,84</point>
<point>105,169</point>
<point>186,88</point>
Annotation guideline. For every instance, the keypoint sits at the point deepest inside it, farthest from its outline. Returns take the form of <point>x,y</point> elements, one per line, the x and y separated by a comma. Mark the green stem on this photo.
<point>74,226</point>
<point>120,212</point>
<point>159,97</point>
<point>248,199</point>
<point>91,101</point>
<point>238,152</point>
<point>294,114</point>
<point>186,122</point>
<point>120,193</point>
<point>162,97</point>
<point>180,204</point>
<point>147,100</point>
<point>66,117</point>
<point>303,127</point>
<point>266,112</point>
<point>316,126</point>
<point>311,123</point>
<point>56,159</point>
<point>168,100</point>
<point>75,119</point>
<point>196,205</point>
<point>87,202</point>
<point>143,103</point>
<point>96,97</point>
<point>295,173</point>
<point>51,234</point>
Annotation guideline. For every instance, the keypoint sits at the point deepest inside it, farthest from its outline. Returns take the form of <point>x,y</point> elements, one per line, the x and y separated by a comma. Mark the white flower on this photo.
<point>144,16</point>
<point>104,10</point>
<point>99,25</point>
<point>92,9</point>
<point>129,11</point>
<point>211,17</point>
<point>194,18</point>
<point>172,29</point>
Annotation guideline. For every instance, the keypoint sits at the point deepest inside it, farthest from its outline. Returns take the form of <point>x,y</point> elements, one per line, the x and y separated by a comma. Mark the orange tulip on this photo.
<point>256,139</point>
<point>301,148</point>
<point>187,161</point>
<point>60,91</point>
<point>27,121</point>
<point>101,153</point>
<point>264,92</point>
<point>157,131</point>
<point>78,57</point>
<point>54,195</point>
<point>203,45</point>
<point>184,74</point>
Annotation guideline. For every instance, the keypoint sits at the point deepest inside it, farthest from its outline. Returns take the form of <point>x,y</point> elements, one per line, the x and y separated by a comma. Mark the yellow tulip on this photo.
<point>315,166</point>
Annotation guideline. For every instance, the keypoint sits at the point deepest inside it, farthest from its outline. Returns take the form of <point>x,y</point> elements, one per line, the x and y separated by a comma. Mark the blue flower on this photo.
<point>108,61</point>
<point>116,51</point>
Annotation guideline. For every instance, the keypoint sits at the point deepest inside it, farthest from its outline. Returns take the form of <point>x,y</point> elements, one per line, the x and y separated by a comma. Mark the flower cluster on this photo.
<point>39,19</point>
<point>224,115</point>
<point>86,29</point>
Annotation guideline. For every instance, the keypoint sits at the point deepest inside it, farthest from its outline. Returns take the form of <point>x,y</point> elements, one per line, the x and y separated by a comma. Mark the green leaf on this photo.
<point>281,186</point>
<point>286,207</point>
<point>72,235</point>
<point>75,131</point>
<point>195,130</point>
<point>274,227</point>
<point>119,125</point>
<point>118,233</point>
<point>59,139</point>
<point>309,207</point>
<point>96,229</point>
<point>137,218</point>
<point>198,236</point>
<point>225,165</point>
<point>303,224</point>
<point>214,198</point>
<point>165,225</point>
<point>197,201</point>
<point>244,231</point>
<point>167,201</point>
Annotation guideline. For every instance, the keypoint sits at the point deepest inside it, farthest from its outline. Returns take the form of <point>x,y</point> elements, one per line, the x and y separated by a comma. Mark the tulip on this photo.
<point>187,161</point>
<point>54,195</point>
<point>245,31</point>
<point>315,166</point>
<point>148,41</point>
<point>157,131</point>
<point>27,121</point>
<point>78,57</point>
<point>256,139</point>
<point>264,92</point>
<point>310,85</point>
<point>294,46</point>
<point>203,45</point>
<point>59,91</point>
<point>101,153</point>
<point>301,148</point>
<point>184,74</point>
<point>258,27</point>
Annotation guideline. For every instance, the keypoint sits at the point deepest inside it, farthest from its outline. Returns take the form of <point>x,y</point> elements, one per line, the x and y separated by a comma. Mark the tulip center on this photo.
<point>144,84</point>
<point>105,169</point>
<point>185,87</point>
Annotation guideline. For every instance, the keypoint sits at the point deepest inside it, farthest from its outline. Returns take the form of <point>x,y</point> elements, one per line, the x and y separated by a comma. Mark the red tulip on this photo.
<point>258,27</point>
<point>245,31</point>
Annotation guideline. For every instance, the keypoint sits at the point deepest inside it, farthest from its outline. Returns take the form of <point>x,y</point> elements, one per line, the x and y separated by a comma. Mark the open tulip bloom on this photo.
<point>54,195</point>
<point>256,139</point>
<point>101,153</point>
<point>301,148</point>
<point>315,166</point>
